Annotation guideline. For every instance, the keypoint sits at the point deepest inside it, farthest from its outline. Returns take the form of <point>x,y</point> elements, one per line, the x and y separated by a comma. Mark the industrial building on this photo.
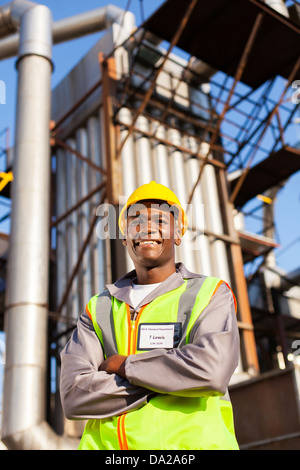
<point>198,98</point>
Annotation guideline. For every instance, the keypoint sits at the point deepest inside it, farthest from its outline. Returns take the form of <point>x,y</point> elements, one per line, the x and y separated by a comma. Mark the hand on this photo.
<point>114,365</point>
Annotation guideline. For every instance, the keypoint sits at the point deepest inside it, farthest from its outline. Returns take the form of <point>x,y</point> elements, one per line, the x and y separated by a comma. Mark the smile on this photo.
<point>146,242</point>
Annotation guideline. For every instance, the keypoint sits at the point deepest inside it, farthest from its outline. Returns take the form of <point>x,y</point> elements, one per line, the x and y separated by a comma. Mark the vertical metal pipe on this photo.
<point>143,153</point>
<point>72,228</point>
<point>61,231</point>
<point>98,260</point>
<point>26,308</point>
<point>61,247</point>
<point>128,166</point>
<point>27,283</point>
<point>85,288</point>
<point>106,246</point>
<point>160,156</point>
<point>201,244</point>
<point>179,184</point>
<point>127,155</point>
<point>215,224</point>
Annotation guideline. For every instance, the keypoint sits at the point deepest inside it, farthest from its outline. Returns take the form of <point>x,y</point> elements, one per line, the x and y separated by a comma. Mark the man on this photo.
<point>151,358</point>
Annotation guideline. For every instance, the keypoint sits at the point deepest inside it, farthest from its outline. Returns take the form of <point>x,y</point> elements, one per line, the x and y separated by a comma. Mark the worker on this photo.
<point>150,360</point>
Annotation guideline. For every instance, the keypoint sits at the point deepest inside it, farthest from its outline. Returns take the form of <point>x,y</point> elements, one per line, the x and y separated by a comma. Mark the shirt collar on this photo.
<point>122,287</point>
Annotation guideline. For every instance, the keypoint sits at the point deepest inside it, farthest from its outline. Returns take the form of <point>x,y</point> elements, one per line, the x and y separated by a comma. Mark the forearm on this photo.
<point>172,372</point>
<point>101,395</point>
<point>86,391</point>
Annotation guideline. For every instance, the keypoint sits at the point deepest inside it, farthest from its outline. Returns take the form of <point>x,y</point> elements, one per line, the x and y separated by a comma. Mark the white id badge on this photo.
<point>158,336</point>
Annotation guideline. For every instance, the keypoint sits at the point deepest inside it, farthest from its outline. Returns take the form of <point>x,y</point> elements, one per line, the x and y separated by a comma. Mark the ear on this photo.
<point>177,241</point>
<point>124,242</point>
<point>177,235</point>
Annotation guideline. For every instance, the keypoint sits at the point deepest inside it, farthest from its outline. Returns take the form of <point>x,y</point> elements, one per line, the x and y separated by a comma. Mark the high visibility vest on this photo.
<point>167,421</point>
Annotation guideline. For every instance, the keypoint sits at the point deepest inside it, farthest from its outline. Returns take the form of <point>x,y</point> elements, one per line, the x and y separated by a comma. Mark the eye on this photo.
<point>163,221</point>
<point>134,223</point>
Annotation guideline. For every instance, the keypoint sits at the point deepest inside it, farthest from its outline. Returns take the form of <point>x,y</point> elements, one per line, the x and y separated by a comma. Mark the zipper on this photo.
<point>134,329</point>
<point>131,349</point>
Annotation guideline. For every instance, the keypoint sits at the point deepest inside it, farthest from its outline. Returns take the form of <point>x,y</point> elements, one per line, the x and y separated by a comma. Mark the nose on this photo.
<point>148,228</point>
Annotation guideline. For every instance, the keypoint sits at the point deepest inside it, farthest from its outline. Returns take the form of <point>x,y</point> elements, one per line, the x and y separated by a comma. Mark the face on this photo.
<point>152,234</point>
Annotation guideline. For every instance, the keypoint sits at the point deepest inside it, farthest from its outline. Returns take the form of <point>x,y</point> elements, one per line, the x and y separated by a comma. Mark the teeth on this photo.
<point>150,242</point>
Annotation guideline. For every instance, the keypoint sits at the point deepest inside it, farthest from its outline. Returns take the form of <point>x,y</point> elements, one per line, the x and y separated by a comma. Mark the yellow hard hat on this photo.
<point>153,191</point>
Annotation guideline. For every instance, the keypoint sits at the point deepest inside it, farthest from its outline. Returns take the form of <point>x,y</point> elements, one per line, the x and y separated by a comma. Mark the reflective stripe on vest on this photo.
<point>105,322</point>
<point>186,303</point>
<point>103,319</point>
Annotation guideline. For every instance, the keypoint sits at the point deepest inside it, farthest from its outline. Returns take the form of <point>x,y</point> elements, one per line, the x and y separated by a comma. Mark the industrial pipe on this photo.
<point>26,311</point>
<point>86,23</point>
<point>7,25</point>
<point>278,5</point>
<point>11,14</point>
<point>67,28</point>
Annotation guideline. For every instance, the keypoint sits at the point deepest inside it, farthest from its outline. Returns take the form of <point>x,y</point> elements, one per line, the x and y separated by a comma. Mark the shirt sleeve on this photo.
<point>201,368</point>
<point>86,392</point>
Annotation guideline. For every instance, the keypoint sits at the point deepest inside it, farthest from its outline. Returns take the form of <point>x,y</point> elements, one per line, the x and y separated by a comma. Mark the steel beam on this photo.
<point>237,78</point>
<point>150,90</point>
<point>270,117</point>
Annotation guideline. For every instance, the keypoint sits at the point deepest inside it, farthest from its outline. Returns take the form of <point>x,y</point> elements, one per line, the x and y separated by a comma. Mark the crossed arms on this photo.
<point>94,388</point>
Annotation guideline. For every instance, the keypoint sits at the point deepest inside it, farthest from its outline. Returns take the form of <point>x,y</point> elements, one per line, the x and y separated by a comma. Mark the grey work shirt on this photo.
<point>201,368</point>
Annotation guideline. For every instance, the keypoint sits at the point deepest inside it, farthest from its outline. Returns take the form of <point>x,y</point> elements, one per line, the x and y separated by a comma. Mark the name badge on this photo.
<point>158,336</point>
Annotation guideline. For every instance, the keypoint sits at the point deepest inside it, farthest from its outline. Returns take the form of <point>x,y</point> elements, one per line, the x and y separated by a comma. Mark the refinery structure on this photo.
<point>197,98</point>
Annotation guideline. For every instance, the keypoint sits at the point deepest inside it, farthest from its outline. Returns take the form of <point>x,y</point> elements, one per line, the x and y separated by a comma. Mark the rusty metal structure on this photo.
<point>198,98</point>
